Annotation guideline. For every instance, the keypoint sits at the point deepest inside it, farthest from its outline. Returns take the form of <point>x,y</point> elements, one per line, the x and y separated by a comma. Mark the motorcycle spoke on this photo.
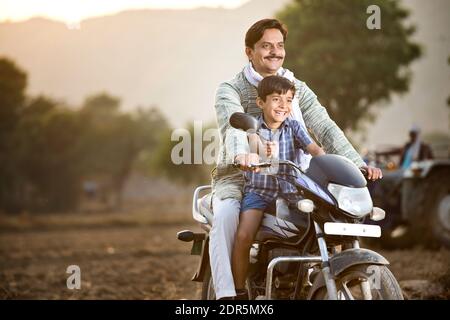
<point>365,289</point>
<point>346,292</point>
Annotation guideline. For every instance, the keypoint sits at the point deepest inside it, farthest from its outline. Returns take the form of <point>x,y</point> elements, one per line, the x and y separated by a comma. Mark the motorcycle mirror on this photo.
<point>243,121</point>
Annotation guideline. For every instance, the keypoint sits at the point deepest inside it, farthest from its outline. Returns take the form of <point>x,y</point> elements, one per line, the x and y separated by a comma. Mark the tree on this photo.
<point>47,136</point>
<point>111,141</point>
<point>47,149</point>
<point>13,82</point>
<point>186,173</point>
<point>348,66</point>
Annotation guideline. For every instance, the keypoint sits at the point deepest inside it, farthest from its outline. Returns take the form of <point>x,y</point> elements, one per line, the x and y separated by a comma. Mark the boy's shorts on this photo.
<point>253,200</point>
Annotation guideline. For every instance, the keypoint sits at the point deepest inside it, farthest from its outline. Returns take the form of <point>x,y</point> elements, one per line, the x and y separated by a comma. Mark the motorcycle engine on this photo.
<point>283,267</point>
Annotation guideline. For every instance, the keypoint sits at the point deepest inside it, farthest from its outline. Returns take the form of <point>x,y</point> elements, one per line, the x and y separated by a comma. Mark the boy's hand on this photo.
<point>244,160</point>
<point>271,148</point>
<point>373,173</point>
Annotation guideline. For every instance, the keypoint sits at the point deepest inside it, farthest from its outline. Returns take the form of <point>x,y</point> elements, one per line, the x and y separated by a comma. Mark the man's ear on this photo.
<point>249,53</point>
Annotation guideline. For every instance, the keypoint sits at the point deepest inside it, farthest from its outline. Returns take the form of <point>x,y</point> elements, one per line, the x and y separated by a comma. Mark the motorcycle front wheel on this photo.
<point>364,282</point>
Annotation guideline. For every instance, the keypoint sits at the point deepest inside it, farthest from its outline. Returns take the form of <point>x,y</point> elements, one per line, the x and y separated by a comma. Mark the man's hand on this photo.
<point>373,173</point>
<point>244,160</point>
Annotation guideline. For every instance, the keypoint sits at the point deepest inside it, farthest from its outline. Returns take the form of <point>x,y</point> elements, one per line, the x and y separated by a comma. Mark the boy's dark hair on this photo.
<point>256,31</point>
<point>274,84</point>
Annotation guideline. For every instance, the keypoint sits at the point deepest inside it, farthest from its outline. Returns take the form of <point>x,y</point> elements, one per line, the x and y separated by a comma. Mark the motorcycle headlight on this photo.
<point>355,201</point>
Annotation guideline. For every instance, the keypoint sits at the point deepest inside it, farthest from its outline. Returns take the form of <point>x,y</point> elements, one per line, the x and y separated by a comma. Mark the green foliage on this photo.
<point>47,136</point>
<point>348,66</point>
<point>47,150</point>
<point>112,141</point>
<point>12,95</point>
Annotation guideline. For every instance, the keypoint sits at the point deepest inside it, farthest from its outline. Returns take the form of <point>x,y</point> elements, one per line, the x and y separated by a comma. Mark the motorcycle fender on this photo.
<point>203,263</point>
<point>351,257</point>
<point>346,259</point>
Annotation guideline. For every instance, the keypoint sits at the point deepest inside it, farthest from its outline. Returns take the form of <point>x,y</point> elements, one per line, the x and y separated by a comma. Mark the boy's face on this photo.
<point>276,108</point>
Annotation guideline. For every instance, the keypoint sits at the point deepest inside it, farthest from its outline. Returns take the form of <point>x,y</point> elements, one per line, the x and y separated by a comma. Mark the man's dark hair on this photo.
<point>256,31</point>
<point>274,84</point>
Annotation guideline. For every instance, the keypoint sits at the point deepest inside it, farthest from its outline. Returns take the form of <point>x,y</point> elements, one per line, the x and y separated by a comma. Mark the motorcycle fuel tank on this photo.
<point>331,168</point>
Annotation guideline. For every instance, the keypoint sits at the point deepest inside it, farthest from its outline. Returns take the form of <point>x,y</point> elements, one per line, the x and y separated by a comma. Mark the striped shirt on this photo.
<point>290,137</point>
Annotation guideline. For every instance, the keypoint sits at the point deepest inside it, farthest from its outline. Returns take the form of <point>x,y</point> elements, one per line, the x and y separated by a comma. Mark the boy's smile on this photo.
<point>276,108</point>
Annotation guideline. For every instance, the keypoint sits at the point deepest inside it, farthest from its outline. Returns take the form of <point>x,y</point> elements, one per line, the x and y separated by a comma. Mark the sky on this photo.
<point>72,11</point>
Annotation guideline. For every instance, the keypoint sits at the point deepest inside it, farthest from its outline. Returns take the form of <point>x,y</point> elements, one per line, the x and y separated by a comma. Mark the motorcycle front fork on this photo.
<point>329,279</point>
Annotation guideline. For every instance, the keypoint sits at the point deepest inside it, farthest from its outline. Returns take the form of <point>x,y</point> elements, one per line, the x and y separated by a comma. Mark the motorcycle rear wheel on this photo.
<point>208,292</point>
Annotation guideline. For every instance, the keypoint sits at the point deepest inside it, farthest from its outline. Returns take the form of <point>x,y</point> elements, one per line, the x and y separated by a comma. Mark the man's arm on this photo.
<point>325,130</point>
<point>228,102</point>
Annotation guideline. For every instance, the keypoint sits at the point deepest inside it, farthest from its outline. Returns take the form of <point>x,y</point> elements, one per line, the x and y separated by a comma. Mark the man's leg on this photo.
<point>225,223</point>
<point>248,227</point>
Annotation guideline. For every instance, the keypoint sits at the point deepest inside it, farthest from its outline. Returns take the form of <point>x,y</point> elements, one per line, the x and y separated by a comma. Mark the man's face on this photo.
<point>276,108</point>
<point>268,53</point>
<point>412,136</point>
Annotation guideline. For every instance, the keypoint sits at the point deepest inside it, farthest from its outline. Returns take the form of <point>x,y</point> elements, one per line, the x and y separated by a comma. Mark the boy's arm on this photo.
<point>314,149</point>
<point>301,134</point>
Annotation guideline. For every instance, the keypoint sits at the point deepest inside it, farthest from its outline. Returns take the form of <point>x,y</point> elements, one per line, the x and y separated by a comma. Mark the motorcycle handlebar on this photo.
<point>268,164</point>
<point>364,172</point>
<point>286,162</point>
<point>254,165</point>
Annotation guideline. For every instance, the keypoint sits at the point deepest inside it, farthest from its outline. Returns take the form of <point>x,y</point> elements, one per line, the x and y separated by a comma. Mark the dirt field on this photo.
<point>137,256</point>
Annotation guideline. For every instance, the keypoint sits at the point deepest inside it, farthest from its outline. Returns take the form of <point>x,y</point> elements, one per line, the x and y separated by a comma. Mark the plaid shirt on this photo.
<point>290,138</point>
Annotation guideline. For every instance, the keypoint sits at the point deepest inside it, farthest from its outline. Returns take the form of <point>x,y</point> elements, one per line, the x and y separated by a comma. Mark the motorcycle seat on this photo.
<point>272,227</point>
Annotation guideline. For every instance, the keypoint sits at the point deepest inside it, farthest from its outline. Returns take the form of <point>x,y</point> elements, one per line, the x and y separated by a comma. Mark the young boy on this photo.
<point>275,95</point>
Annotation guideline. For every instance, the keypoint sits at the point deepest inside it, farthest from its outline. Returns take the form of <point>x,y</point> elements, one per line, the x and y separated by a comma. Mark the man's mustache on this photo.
<point>271,57</point>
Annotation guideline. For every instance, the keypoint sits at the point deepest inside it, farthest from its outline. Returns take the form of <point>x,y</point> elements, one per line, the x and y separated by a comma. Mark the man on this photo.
<point>414,149</point>
<point>264,47</point>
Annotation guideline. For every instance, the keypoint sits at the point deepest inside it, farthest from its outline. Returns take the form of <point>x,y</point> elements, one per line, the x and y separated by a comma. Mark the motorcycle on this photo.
<point>309,247</point>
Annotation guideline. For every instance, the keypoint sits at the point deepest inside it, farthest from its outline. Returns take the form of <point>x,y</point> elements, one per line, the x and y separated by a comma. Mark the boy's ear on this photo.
<point>259,102</point>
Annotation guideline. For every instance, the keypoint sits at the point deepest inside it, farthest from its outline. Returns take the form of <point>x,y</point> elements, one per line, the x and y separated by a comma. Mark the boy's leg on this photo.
<point>221,240</point>
<point>249,222</point>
